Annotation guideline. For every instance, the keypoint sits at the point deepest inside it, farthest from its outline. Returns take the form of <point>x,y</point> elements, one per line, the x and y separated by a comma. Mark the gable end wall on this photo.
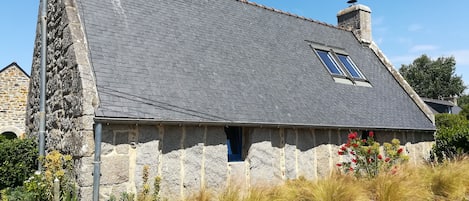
<point>14,84</point>
<point>71,90</point>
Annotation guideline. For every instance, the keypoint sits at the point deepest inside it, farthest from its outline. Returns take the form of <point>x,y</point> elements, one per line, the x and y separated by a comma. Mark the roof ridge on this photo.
<point>17,66</point>
<point>290,14</point>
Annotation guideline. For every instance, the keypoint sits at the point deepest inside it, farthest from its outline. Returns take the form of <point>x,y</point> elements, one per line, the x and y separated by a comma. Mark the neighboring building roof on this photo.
<point>233,62</point>
<point>14,64</point>
<point>442,106</point>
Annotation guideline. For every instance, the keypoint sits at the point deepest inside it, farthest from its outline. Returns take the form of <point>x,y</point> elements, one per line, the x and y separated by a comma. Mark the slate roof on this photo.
<point>229,61</point>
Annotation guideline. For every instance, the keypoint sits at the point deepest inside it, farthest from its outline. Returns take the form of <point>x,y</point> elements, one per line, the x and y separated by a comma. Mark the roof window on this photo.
<point>340,65</point>
<point>330,63</point>
<point>350,66</point>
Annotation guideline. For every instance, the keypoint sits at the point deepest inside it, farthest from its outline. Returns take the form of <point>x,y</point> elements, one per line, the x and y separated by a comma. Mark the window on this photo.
<point>234,142</point>
<point>327,59</point>
<point>340,65</point>
<point>350,66</point>
<point>366,134</point>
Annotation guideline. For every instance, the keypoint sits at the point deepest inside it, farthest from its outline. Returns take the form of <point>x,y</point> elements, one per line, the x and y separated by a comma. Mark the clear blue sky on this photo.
<point>403,29</point>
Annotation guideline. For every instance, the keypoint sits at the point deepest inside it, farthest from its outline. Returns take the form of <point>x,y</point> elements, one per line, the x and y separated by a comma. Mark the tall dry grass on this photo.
<point>401,184</point>
<point>446,181</point>
<point>449,180</point>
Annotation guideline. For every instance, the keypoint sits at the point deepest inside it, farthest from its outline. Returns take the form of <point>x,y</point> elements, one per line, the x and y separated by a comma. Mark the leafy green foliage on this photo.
<point>465,111</point>
<point>40,186</point>
<point>463,100</point>
<point>452,136</point>
<point>18,159</point>
<point>7,136</point>
<point>450,120</point>
<point>433,78</point>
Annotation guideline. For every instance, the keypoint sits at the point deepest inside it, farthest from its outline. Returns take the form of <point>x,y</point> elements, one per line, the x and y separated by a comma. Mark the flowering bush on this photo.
<point>362,157</point>
<point>40,186</point>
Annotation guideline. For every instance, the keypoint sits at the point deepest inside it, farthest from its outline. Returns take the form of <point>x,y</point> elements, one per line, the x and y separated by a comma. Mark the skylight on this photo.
<point>340,65</point>
<point>350,66</point>
<point>327,59</point>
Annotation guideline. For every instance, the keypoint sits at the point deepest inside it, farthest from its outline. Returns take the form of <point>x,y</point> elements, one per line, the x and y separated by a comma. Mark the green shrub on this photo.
<point>452,136</point>
<point>40,186</point>
<point>450,120</point>
<point>8,136</point>
<point>18,160</point>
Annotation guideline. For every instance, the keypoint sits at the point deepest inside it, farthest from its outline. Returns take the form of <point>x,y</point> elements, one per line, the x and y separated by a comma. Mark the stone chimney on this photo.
<point>356,18</point>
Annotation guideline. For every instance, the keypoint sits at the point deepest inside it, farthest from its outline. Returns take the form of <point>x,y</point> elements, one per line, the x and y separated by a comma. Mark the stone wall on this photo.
<point>71,89</point>
<point>14,84</point>
<point>189,158</point>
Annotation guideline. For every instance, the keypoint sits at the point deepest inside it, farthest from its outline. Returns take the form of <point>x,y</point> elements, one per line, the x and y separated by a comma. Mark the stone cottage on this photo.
<point>14,85</point>
<point>214,93</point>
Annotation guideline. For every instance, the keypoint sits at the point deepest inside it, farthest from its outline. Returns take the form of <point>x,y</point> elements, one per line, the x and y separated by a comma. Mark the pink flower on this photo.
<point>371,134</point>
<point>364,140</point>
<point>387,159</point>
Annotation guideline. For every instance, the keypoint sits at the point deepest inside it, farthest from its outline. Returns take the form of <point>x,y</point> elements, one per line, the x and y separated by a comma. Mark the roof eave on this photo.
<point>114,120</point>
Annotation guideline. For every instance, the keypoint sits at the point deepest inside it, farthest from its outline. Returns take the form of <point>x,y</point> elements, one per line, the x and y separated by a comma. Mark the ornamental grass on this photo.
<point>445,181</point>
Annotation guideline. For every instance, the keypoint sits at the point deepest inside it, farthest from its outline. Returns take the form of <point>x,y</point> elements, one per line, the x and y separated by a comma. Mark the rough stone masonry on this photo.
<point>14,85</point>
<point>187,157</point>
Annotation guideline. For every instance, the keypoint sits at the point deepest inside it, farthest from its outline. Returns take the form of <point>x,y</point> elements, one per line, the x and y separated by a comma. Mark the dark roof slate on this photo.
<point>230,61</point>
<point>14,64</point>
<point>437,101</point>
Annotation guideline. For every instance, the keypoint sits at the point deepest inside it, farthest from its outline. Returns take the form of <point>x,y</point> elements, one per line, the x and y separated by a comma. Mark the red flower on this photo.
<point>380,157</point>
<point>371,134</point>
<point>354,160</point>
<point>364,140</point>
<point>355,145</point>
<point>351,169</point>
<point>352,152</point>
<point>343,148</point>
<point>370,160</point>
<point>399,151</point>
<point>387,159</point>
<point>338,164</point>
<point>348,144</point>
<point>352,135</point>
<point>369,151</point>
<point>340,152</point>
